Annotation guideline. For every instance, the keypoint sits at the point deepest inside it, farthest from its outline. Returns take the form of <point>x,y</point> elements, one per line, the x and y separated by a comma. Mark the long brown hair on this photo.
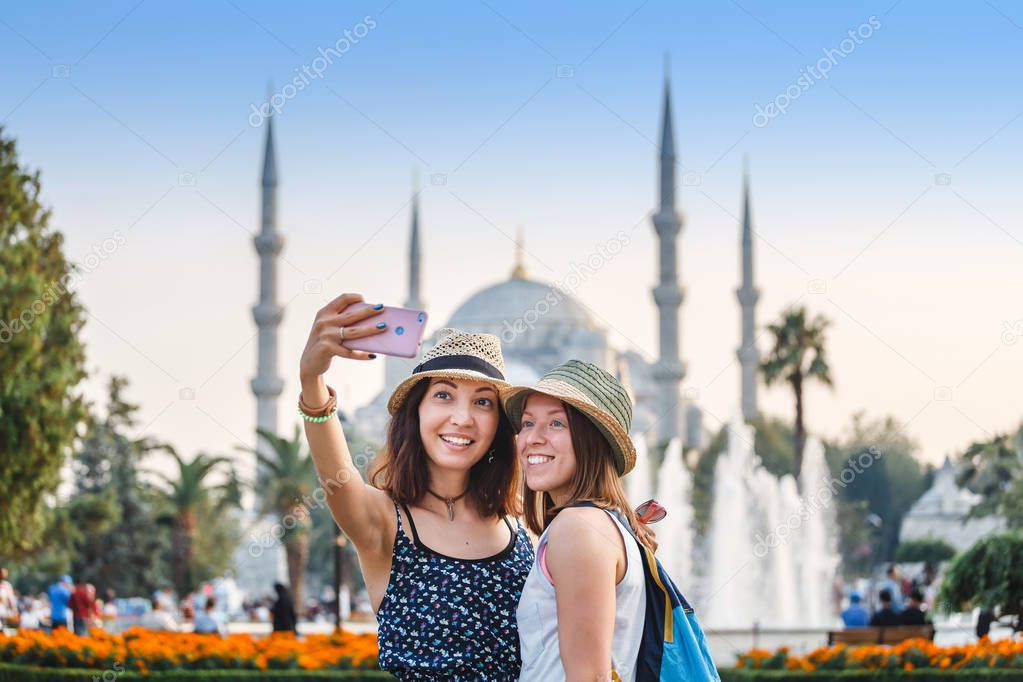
<point>595,480</point>
<point>401,469</point>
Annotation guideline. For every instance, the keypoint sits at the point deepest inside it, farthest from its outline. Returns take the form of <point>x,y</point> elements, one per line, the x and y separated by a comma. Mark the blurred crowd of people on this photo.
<point>898,601</point>
<point>65,604</point>
<point>76,606</point>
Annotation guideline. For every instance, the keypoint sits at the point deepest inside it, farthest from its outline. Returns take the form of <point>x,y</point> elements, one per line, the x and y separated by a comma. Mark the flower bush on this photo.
<point>144,650</point>
<point>912,654</point>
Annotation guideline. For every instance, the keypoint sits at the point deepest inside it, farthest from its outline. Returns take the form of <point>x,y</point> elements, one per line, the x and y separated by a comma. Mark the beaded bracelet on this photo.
<point>317,420</point>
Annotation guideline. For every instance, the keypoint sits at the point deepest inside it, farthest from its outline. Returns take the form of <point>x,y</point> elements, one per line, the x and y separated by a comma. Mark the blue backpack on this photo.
<point>674,648</point>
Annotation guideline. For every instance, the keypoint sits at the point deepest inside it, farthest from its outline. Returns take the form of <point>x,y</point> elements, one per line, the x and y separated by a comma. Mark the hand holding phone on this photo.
<point>402,336</point>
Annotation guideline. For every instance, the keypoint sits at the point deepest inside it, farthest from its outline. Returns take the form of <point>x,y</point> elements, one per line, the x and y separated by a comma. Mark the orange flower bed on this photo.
<point>146,650</point>
<point>913,654</point>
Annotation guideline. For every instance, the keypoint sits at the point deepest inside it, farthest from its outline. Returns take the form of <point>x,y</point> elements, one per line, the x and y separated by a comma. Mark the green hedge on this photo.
<point>27,673</point>
<point>979,674</point>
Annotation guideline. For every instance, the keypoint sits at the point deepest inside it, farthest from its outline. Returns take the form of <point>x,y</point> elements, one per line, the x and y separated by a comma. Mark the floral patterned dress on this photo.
<point>444,618</point>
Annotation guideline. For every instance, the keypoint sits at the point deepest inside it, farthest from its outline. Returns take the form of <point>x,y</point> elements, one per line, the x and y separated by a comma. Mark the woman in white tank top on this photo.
<point>583,605</point>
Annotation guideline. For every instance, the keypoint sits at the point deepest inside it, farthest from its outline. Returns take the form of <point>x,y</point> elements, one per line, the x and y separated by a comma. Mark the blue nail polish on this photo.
<point>372,356</point>
<point>382,325</point>
<point>378,306</point>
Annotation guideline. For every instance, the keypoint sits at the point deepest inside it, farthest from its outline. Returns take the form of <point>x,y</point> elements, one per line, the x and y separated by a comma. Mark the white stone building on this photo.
<point>941,512</point>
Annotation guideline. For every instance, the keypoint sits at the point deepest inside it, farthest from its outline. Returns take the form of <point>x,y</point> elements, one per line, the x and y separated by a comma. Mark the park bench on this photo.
<point>880,635</point>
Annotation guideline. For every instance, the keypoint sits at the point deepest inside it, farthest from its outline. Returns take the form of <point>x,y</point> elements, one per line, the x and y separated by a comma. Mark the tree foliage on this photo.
<point>287,479</point>
<point>42,358</point>
<point>994,469</point>
<point>703,480</point>
<point>773,441</point>
<point>989,575</point>
<point>127,555</point>
<point>107,532</point>
<point>796,357</point>
<point>889,484</point>
<point>930,551</point>
<point>197,509</point>
<point>323,532</point>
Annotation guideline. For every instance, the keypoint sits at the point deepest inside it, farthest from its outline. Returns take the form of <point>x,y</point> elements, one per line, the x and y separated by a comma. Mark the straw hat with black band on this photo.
<point>592,391</point>
<point>457,355</point>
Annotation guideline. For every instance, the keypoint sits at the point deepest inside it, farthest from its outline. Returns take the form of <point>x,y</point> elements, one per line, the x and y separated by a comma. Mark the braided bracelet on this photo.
<point>318,414</point>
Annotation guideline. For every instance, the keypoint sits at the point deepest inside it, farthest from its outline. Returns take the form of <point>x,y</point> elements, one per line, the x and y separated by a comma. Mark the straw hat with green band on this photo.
<point>595,393</point>
<point>457,355</point>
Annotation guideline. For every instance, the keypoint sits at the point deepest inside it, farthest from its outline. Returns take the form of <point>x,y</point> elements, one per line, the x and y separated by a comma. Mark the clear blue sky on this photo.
<point>137,114</point>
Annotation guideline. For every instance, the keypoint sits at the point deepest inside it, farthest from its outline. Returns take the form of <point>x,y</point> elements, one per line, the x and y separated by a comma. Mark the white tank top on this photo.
<point>538,619</point>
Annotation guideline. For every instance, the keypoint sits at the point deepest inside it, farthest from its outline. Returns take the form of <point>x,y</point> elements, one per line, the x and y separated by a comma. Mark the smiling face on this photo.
<point>457,422</point>
<point>544,445</point>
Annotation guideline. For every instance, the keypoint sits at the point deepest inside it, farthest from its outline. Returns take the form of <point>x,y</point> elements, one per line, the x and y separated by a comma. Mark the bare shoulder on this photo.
<point>582,527</point>
<point>581,542</point>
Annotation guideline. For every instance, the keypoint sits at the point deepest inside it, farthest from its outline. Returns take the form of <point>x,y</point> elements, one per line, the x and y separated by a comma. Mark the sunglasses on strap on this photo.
<point>650,512</point>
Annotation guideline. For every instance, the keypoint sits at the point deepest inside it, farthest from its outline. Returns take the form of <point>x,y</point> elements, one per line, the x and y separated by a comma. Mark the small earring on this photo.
<point>490,460</point>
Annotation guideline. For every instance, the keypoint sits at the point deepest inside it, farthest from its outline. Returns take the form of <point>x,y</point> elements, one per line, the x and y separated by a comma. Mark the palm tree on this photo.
<point>190,496</point>
<point>797,357</point>
<point>287,477</point>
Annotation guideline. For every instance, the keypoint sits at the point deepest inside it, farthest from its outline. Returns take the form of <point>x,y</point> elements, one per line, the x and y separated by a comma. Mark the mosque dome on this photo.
<point>519,306</point>
<point>519,303</point>
<point>539,324</point>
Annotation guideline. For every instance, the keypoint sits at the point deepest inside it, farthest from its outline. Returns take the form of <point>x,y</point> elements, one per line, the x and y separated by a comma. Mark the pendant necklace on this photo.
<point>450,501</point>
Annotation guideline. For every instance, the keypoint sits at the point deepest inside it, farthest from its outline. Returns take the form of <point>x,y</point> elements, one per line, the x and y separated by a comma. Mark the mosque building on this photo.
<point>541,324</point>
<point>942,513</point>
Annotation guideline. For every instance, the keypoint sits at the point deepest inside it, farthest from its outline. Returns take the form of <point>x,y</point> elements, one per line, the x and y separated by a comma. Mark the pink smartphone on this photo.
<point>402,338</point>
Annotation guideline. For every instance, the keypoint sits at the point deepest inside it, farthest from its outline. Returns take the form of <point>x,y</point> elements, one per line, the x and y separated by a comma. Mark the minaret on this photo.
<point>668,294</point>
<point>396,369</point>
<point>519,271</point>
<point>414,259</point>
<point>749,357</point>
<point>267,313</point>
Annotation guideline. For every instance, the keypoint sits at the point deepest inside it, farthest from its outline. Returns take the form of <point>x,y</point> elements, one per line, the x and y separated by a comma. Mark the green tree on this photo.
<point>878,461</point>
<point>989,575</point>
<point>856,537</point>
<point>994,469</point>
<point>703,480</point>
<point>33,572</point>
<point>324,530</point>
<point>323,535</point>
<point>128,555</point>
<point>219,533</point>
<point>797,356</point>
<point>287,479</point>
<point>773,442</point>
<point>192,500</point>
<point>930,551</point>
<point>42,358</point>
